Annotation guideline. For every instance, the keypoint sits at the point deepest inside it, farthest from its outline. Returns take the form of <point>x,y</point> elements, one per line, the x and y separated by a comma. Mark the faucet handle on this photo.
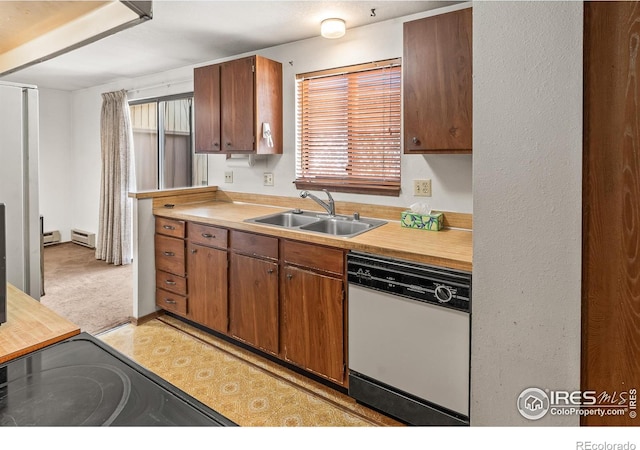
<point>356,216</point>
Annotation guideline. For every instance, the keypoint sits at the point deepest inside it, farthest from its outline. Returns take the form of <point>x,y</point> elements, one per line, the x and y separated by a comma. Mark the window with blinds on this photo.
<point>348,129</point>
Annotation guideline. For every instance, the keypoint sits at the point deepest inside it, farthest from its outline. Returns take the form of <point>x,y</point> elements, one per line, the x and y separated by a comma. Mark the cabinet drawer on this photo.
<point>171,282</point>
<point>170,255</point>
<point>207,235</point>
<point>253,244</point>
<point>170,227</point>
<point>171,302</point>
<point>314,256</point>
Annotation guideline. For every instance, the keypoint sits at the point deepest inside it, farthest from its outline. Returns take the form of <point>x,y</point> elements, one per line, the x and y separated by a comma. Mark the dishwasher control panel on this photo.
<point>440,286</point>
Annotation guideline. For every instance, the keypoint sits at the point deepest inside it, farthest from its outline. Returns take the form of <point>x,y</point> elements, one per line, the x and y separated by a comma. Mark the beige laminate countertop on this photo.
<point>450,248</point>
<point>30,326</point>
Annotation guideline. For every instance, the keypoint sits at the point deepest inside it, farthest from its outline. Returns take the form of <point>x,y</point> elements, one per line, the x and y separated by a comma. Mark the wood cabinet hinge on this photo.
<point>253,68</point>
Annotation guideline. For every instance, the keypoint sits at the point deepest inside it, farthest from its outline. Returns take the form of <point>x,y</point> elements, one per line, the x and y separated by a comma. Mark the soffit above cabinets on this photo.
<point>35,31</point>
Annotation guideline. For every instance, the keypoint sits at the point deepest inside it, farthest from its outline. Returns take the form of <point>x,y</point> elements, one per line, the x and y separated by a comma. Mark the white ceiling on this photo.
<point>188,32</point>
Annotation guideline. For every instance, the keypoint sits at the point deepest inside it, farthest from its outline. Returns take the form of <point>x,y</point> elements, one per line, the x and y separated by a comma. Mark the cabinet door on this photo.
<point>207,286</point>
<point>253,301</point>
<point>313,329</point>
<point>437,83</point>
<point>237,104</point>
<point>206,98</point>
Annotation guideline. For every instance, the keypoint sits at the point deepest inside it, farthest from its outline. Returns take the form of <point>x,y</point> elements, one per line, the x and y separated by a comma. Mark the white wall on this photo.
<point>450,174</point>
<point>56,159</point>
<point>527,166</point>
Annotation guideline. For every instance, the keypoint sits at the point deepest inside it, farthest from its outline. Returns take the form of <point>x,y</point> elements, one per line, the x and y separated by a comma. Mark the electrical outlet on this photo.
<point>422,188</point>
<point>228,177</point>
<point>268,179</point>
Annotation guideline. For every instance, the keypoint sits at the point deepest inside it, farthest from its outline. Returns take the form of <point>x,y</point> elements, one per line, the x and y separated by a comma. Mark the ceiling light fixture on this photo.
<point>332,28</point>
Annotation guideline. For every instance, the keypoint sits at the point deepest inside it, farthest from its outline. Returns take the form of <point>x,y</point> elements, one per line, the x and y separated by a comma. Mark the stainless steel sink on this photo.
<point>313,222</point>
<point>338,227</point>
<point>287,219</point>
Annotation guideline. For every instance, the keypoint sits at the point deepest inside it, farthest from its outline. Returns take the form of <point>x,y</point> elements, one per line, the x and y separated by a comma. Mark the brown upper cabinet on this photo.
<point>437,77</point>
<point>233,102</point>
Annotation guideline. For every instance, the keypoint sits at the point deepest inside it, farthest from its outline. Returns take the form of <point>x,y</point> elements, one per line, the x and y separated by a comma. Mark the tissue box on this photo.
<point>432,222</point>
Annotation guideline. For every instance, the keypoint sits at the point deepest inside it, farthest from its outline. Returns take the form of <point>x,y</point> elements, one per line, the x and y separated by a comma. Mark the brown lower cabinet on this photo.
<point>207,286</point>
<point>253,301</point>
<point>286,298</point>
<point>313,322</point>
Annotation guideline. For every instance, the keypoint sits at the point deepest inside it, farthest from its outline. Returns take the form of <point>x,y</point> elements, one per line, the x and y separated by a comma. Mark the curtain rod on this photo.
<point>155,86</point>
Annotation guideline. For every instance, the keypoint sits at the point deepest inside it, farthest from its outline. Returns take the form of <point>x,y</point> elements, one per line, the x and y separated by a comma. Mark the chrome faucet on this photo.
<point>329,206</point>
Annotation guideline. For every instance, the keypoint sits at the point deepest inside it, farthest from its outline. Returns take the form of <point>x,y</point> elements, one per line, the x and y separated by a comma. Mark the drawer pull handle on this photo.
<point>168,227</point>
<point>208,236</point>
<point>169,301</point>
<point>170,283</point>
<point>168,254</point>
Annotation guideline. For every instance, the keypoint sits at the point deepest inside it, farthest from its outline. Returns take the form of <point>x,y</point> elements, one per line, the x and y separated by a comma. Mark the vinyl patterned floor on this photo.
<point>242,386</point>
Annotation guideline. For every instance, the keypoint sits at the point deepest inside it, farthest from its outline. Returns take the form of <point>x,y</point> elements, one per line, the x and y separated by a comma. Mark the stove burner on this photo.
<point>89,395</point>
<point>82,381</point>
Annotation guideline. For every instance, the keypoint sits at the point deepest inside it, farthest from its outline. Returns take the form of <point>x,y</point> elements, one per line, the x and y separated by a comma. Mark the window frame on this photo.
<point>382,185</point>
<point>160,134</point>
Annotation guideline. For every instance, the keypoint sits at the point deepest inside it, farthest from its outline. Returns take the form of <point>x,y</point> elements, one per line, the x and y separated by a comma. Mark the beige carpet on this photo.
<point>94,295</point>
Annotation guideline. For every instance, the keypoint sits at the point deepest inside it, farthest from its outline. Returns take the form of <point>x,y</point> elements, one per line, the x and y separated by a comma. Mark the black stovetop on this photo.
<point>82,381</point>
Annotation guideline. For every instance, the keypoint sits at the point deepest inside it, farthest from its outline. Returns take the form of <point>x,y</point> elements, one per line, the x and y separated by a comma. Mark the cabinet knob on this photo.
<point>228,144</point>
<point>208,236</point>
<point>289,276</point>
<point>194,250</point>
<point>415,141</point>
<point>270,271</point>
<point>215,144</point>
<point>168,254</point>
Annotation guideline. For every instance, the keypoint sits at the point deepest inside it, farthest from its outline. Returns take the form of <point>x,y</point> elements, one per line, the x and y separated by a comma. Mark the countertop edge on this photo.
<point>30,326</point>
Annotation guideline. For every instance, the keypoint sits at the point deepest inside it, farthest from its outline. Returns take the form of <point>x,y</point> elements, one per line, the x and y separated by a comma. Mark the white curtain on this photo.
<point>114,243</point>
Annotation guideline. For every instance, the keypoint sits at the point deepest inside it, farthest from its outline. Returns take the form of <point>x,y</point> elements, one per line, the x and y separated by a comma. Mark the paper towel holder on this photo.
<point>240,160</point>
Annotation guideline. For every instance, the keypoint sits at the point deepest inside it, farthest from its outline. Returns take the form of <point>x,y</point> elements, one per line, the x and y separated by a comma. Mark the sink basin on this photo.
<point>313,222</point>
<point>287,219</point>
<point>337,227</point>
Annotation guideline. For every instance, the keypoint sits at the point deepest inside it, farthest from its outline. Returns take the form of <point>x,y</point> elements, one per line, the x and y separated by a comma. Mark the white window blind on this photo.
<point>348,129</point>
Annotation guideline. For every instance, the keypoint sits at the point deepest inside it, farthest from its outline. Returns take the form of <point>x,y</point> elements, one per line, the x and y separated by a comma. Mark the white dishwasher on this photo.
<point>409,339</point>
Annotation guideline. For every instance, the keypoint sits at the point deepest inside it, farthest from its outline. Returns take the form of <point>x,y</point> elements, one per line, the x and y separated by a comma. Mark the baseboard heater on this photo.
<point>83,238</point>
<point>51,237</point>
